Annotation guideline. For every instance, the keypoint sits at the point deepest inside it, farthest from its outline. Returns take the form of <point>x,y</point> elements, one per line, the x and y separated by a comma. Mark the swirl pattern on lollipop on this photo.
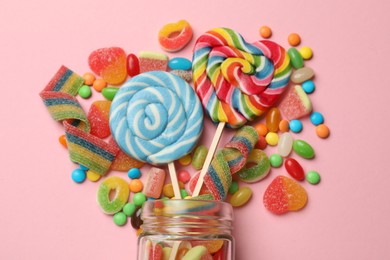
<point>235,80</point>
<point>156,117</point>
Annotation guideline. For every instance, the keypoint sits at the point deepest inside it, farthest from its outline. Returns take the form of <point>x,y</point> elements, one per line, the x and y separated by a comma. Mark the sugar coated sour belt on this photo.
<point>236,80</point>
<point>156,117</point>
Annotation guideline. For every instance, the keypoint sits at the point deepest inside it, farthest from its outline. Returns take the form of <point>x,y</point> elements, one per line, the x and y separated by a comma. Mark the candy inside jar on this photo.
<point>187,230</point>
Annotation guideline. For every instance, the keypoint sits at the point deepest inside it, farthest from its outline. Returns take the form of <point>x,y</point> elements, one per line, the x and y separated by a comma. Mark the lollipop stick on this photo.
<point>175,248</point>
<point>210,154</point>
<point>175,183</point>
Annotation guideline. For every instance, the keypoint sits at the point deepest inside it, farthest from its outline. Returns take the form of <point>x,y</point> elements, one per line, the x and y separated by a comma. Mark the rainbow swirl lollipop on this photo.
<point>238,81</point>
<point>156,117</point>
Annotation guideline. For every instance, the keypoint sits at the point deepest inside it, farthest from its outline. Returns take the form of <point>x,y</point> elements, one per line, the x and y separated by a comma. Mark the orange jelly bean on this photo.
<point>273,119</point>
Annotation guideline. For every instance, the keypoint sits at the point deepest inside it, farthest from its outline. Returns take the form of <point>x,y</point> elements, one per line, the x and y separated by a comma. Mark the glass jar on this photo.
<point>186,229</point>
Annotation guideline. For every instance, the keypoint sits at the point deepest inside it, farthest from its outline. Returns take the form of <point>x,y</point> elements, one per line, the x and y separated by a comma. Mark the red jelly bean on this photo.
<point>294,169</point>
<point>132,65</point>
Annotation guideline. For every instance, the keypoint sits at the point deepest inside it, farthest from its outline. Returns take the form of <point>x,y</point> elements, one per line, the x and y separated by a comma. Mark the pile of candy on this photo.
<point>156,117</point>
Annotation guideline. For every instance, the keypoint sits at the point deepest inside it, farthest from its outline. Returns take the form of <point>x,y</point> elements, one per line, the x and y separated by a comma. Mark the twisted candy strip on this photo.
<point>230,160</point>
<point>156,117</point>
<point>235,80</point>
<point>83,148</point>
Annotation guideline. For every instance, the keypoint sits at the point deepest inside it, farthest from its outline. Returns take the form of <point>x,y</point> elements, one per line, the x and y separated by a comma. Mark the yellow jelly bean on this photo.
<point>272,138</point>
<point>93,176</point>
<point>185,160</point>
<point>241,197</point>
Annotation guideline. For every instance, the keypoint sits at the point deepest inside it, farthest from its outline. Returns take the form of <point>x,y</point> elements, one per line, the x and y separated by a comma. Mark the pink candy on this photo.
<point>154,183</point>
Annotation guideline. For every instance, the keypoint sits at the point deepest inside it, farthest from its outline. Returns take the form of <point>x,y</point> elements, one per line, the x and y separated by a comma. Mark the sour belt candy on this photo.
<point>156,117</point>
<point>235,80</point>
<point>84,148</point>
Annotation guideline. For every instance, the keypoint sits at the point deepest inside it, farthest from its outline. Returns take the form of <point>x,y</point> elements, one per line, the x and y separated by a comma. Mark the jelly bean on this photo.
<point>294,39</point>
<point>276,160</point>
<point>179,63</point>
<point>139,198</point>
<point>132,65</point>
<point>295,125</point>
<point>259,167</point>
<point>78,175</point>
<point>322,131</point>
<point>89,78</point>
<point>199,157</point>
<point>183,176</point>
<point>85,91</point>
<point>183,193</point>
<point>302,74</point>
<point>109,93</point>
<point>136,220</point>
<point>241,197</point>
<point>295,58</point>
<point>308,86</point>
<point>285,144</point>
<point>154,183</point>
<point>316,118</point>
<point>265,32</point>
<point>303,149</point>
<point>261,143</point>
<point>185,160</point>
<point>294,169</point>
<point>129,209</point>
<point>306,52</point>
<point>272,138</point>
<point>134,173</point>
<point>168,190</point>
<point>273,119</point>
<point>93,176</point>
<point>120,219</point>
<point>261,129</point>
<point>99,85</point>
<point>121,191</point>
<point>136,185</point>
<point>62,140</point>
<point>313,177</point>
<point>233,187</point>
<point>284,126</point>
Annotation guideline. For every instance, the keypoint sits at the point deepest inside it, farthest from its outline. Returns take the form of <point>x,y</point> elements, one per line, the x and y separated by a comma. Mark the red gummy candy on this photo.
<point>294,169</point>
<point>98,117</point>
<point>110,64</point>
<point>284,195</point>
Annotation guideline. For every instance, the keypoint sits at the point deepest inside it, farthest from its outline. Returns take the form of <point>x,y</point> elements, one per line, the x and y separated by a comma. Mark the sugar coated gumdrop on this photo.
<point>98,117</point>
<point>110,64</point>
<point>284,195</point>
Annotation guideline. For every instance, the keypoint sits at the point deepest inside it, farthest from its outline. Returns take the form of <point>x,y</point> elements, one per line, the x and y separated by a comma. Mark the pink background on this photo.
<point>44,215</point>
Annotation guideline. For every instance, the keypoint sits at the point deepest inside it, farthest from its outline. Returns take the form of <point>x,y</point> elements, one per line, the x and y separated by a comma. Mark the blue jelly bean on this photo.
<point>179,64</point>
<point>316,118</point>
<point>78,175</point>
<point>134,173</point>
<point>308,86</point>
<point>296,125</point>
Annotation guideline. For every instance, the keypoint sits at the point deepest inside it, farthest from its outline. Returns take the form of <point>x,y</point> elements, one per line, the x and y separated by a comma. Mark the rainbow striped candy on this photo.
<point>83,148</point>
<point>235,80</point>
<point>156,117</point>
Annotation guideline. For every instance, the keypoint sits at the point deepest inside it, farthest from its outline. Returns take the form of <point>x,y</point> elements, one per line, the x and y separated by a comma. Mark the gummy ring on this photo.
<point>175,36</point>
<point>156,117</point>
<point>121,188</point>
<point>238,81</point>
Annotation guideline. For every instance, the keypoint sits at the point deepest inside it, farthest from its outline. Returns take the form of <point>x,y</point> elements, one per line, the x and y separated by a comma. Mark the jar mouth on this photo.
<point>187,216</point>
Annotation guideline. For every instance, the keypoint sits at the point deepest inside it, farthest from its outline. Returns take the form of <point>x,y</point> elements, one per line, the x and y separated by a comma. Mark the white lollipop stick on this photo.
<point>175,248</point>
<point>209,157</point>
<point>175,183</point>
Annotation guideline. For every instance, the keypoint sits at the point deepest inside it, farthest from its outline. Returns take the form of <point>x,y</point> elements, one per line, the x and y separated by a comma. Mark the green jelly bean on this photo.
<point>276,160</point>
<point>139,198</point>
<point>199,157</point>
<point>233,187</point>
<point>120,218</point>
<point>313,177</point>
<point>109,93</point>
<point>241,197</point>
<point>303,149</point>
<point>295,58</point>
<point>85,92</point>
<point>129,209</point>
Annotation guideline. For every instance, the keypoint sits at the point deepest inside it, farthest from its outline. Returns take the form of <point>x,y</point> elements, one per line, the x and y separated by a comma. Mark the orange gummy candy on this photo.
<point>122,161</point>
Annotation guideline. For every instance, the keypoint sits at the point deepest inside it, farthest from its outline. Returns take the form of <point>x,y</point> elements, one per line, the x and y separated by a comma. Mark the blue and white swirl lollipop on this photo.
<point>156,117</point>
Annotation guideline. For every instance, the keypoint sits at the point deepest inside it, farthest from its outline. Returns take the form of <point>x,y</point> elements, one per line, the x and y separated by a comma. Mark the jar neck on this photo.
<point>187,218</point>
